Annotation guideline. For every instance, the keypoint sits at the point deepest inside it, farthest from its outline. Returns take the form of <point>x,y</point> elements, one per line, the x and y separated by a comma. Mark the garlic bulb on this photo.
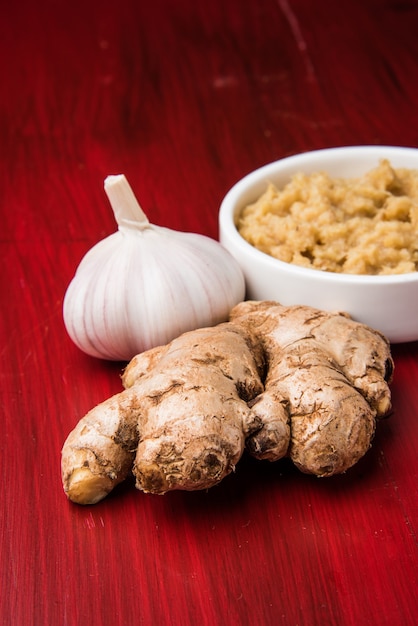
<point>144,285</point>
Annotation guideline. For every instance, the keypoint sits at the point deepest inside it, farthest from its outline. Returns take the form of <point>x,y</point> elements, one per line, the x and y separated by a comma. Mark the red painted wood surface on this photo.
<point>185,97</point>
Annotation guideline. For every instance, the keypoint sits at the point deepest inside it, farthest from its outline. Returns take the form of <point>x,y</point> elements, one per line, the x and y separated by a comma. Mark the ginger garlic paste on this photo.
<point>366,225</point>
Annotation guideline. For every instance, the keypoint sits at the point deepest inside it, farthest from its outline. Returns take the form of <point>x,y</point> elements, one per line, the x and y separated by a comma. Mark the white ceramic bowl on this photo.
<point>386,303</point>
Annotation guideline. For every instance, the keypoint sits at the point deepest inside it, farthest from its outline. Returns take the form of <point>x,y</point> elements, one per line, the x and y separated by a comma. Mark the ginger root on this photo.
<point>279,381</point>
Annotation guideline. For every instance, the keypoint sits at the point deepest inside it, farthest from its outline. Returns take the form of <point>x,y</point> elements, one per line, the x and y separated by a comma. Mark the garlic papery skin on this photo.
<point>144,285</point>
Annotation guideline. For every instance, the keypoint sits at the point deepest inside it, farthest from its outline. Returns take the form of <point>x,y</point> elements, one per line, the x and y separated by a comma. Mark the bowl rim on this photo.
<point>228,210</point>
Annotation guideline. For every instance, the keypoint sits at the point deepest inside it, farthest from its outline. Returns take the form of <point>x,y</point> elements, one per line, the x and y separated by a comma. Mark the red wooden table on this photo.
<point>185,97</point>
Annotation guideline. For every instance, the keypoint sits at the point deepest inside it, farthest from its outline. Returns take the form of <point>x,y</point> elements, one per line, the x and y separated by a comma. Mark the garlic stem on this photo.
<point>126,208</point>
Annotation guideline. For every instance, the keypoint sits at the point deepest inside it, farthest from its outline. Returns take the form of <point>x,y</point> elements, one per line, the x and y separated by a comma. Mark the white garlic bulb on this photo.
<point>144,285</point>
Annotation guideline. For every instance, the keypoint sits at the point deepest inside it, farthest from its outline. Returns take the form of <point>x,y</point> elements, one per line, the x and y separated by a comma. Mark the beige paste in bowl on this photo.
<point>366,225</point>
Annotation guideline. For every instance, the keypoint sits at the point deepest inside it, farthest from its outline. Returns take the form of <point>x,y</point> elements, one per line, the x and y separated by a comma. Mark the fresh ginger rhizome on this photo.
<point>278,381</point>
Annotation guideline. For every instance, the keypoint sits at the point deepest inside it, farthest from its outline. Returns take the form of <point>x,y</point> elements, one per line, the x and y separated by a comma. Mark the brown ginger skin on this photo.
<point>185,413</point>
<point>282,381</point>
<point>194,408</point>
<point>331,375</point>
<point>99,452</point>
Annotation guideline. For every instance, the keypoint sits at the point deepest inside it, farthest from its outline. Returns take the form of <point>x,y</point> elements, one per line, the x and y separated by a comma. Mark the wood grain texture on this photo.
<point>185,97</point>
